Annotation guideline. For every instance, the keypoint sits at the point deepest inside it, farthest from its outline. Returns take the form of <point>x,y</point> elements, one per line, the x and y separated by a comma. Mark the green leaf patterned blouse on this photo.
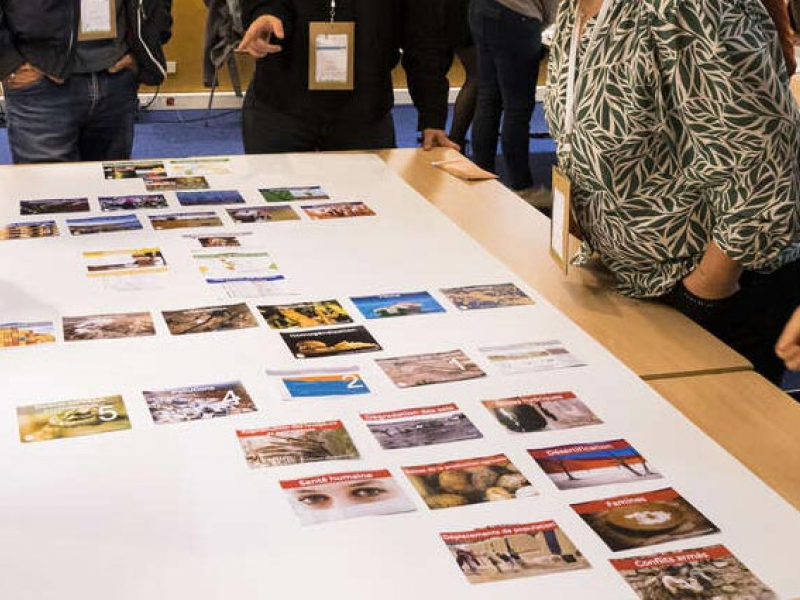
<point>685,132</point>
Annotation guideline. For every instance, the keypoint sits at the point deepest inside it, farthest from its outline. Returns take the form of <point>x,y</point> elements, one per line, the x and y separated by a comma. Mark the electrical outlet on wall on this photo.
<point>172,67</point>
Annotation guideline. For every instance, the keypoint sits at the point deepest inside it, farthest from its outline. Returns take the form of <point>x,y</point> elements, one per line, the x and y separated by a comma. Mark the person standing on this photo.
<point>458,36</point>
<point>508,35</point>
<point>323,80</point>
<point>71,83</point>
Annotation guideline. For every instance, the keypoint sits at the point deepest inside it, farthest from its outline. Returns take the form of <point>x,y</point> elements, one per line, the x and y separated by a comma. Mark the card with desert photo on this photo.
<point>108,327</point>
<point>502,552</point>
<point>72,418</point>
<point>134,202</point>
<point>338,210</point>
<point>477,297</point>
<point>208,319</point>
<point>24,230</point>
<point>304,314</point>
<point>426,369</point>
<point>54,205</point>
<point>319,343</point>
<point>422,426</point>
<point>296,444</point>
<point>199,402</point>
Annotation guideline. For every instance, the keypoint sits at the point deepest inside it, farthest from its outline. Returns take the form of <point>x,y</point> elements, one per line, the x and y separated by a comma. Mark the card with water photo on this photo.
<point>175,184</point>
<point>134,169</point>
<point>209,319</point>
<point>54,205</point>
<point>426,369</point>
<point>552,411</point>
<point>31,333</point>
<point>338,210</point>
<point>320,383</point>
<point>396,305</point>
<point>210,198</point>
<point>110,224</point>
<point>185,220</point>
<point>263,214</point>
<point>422,426</point>
<point>304,314</point>
<point>319,343</point>
<point>290,194</point>
<point>72,418</point>
<point>133,202</point>
<point>25,230</point>
<point>477,297</point>
<point>199,402</point>
<point>108,326</point>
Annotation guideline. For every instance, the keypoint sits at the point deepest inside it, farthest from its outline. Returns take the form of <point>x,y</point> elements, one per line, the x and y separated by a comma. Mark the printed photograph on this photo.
<point>476,297</point>
<point>531,357</point>
<point>646,519</point>
<point>501,552</point>
<point>424,426</point>
<point>29,230</point>
<point>471,481</point>
<point>296,444</point>
<point>542,412</point>
<point>427,369</point>
<point>108,327</point>
<point>137,169</point>
<point>175,184</point>
<point>205,241</point>
<point>26,334</point>
<point>265,214</point>
<point>598,463</point>
<point>339,496</point>
<point>199,402</point>
<point>138,202</point>
<point>200,167</point>
<point>94,225</point>
<point>210,198</point>
<point>185,220</point>
<point>55,205</point>
<point>290,194</point>
<point>208,319</point>
<point>330,342</point>
<point>304,314</point>
<point>124,262</point>
<point>397,305</point>
<point>712,572</point>
<point>339,210</point>
<point>321,383</point>
<point>72,418</point>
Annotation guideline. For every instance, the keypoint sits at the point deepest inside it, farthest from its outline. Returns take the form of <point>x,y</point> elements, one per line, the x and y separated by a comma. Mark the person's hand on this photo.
<point>437,138</point>
<point>24,76</point>
<point>788,346</point>
<point>716,277</point>
<point>126,62</point>
<point>257,38</point>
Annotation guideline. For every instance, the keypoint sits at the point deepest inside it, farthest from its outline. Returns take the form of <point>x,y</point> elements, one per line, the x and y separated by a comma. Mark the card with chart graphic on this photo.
<point>531,357</point>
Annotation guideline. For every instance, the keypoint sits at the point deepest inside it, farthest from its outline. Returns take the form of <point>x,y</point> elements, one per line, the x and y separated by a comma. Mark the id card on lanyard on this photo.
<point>560,224</point>
<point>98,20</point>
<point>331,54</point>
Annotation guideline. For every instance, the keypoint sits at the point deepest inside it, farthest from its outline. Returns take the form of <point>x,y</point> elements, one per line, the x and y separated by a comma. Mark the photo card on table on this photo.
<point>72,418</point>
<point>199,402</point>
<point>319,343</point>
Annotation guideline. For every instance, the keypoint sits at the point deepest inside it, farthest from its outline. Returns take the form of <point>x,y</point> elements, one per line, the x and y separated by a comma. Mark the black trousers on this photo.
<point>269,131</point>
<point>751,320</point>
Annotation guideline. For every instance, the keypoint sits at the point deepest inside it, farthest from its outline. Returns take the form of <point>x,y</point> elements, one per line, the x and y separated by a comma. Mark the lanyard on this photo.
<point>570,109</point>
<point>333,10</point>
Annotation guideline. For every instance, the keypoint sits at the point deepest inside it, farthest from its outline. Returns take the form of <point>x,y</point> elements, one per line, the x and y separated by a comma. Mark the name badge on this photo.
<point>331,56</point>
<point>560,219</point>
<point>98,20</point>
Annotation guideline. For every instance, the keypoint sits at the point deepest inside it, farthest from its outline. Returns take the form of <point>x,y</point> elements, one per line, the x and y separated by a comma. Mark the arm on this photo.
<point>263,21</point>
<point>779,12</point>
<point>10,58</point>
<point>788,347</point>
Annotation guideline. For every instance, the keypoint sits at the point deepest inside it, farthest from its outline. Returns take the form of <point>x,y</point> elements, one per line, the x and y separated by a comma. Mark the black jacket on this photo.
<point>383,28</point>
<point>44,33</point>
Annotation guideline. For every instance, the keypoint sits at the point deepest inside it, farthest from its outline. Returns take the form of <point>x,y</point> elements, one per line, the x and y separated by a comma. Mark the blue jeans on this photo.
<point>509,50</point>
<point>87,118</point>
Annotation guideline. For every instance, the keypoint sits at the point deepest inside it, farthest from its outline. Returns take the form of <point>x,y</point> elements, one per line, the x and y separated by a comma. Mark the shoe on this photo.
<point>538,197</point>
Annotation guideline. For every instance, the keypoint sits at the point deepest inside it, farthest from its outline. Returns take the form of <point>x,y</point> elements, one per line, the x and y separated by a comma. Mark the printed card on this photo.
<point>263,214</point>
<point>542,412</point>
<point>108,327</point>
<point>135,169</point>
<point>185,220</point>
<point>26,334</point>
<point>476,297</point>
<point>424,426</point>
<point>174,184</point>
<point>112,224</point>
<point>136,202</point>
<point>330,342</point>
<point>531,357</point>
<point>55,205</point>
<point>72,418</point>
<point>397,305</point>
<point>338,210</point>
<point>200,167</point>
<point>28,230</point>
<point>427,369</point>
<point>211,198</point>
<point>304,314</point>
<point>336,382</point>
<point>199,402</point>
<point>290,194</point>
<point>209,319</point>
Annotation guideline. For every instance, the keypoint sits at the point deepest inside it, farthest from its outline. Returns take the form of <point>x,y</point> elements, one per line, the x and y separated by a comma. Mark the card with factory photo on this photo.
<point>210,198</point>
<point>199,402</point>
<point>304,314</point>
<point>645,519</point>
<point>320,343</point>
<point>476,297</point>
<point>110,224</point>
<point>426,369</point>
<point>321,383</point>
<point>72,418</point>
<point>296,444</point>
<point>384,306</point>
<point>208,319</point>
<point>134,169</point>
<point>422,426</point>
<point>25,230</point>
<point>542,412</point>
<point>263,214</point>
<point>502,552</point>
<point>174,184</point>
<point>339,496</point>
<point>133,202</point>
<point>338,210</point>
<point>185,220</point>
<point>710,572</point>
<point>30,333</point>
<point>594,463</point>
<point>53,205</point>
<point>291,194</point>
<point>470,481</point>
<point>108,326</point>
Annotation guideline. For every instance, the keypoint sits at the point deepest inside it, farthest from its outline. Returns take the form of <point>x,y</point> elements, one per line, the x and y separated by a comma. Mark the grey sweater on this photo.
<point>544,10</point>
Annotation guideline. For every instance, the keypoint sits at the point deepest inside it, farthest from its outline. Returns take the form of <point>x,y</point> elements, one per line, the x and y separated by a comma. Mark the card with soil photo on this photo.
<point>108,327</point>
<point>424,426</point>
<point>199,402</point>
<point>208,319</point>
<point>55,205</point>
<point>470,481</point>
<point>338,210</point>
<point>339,496</point>
<point>426,369</point>
<point>263,214</point>
<point>210,198</point>
<point>134,169</point>
<point>710,572</point>
<point>296,444</point>
<point>335,382</point>
<point>531,357</point>
<point>503,552</point>
<point>185,220</point>
<point>26,334</point>
<point>72,418</point>
<point>542,412</point>
<point>304,314</point>
<point>28,230</point>
<point>136,202</point>
<point>397,305</point>
<point>111,224</point>
<point>476,297</point>
<point>330,342</point>
<point>591,464</point>
<point>290,194</point>
<point>175,184</point>
<point>639,520</point>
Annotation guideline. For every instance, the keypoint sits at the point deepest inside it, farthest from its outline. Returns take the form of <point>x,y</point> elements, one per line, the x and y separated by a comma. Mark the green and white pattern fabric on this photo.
<point>685,131</point>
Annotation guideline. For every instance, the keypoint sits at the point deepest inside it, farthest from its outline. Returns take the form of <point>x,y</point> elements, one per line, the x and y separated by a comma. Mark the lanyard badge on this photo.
<point>331,54</point>
<point>98,20</point>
